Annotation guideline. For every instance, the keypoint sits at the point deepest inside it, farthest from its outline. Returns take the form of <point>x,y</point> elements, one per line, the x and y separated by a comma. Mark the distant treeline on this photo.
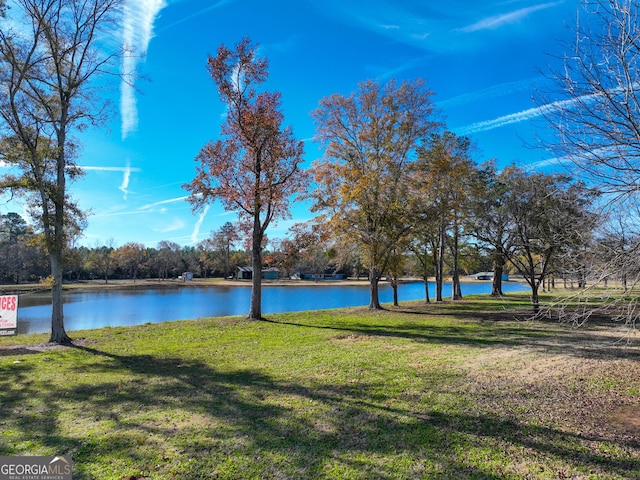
<point>24,260</point>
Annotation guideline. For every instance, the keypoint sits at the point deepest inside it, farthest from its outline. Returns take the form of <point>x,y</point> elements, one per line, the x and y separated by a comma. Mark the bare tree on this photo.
<point>596,117</point>
<point>48,72</point>
<point>547,214</point>
<point>491,223</point>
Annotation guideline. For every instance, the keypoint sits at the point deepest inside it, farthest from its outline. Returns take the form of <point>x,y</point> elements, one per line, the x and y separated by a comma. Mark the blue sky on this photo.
<point>481,59</point>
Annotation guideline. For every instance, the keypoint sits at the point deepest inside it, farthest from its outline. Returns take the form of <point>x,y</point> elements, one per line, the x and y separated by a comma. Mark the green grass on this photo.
<point>459,390</point>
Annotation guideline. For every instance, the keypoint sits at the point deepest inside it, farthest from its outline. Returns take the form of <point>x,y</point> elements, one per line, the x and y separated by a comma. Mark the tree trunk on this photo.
<point>374,302</point>
<point>58,333</point>
<point>56,246</point>
<point>535,299</point>
<point>227,272</point>
<point>426,290</point>
<point>440,266</point>
<point>456,290</point>
<point>498,270</point>
<point>496,284</point>
<point>255,313</point>
<point>394,285</point>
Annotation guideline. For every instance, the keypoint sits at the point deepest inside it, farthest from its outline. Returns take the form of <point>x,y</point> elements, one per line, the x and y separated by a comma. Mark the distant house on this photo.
<point>246,273</point>
<point>328,274</point>
<point>271,274</point>
<point>489,276</point>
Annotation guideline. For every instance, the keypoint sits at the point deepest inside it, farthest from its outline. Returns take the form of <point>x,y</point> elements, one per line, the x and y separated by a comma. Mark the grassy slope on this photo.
<point>451,391</point>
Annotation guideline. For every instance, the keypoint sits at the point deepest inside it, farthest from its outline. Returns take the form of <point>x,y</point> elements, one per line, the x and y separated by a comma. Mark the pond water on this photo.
<point>133,307</point>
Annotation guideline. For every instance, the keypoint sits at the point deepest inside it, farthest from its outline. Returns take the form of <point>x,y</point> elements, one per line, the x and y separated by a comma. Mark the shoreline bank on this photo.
<point>93,285</point>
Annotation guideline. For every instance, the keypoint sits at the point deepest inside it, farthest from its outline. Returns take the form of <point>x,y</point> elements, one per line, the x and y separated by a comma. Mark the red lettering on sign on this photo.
<point>8,303</point>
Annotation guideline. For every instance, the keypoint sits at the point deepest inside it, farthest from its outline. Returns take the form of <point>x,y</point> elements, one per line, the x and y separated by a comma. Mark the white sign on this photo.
<point>8,315</point>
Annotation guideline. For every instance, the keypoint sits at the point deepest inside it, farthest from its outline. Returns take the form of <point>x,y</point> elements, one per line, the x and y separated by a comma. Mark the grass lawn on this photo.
<point>464,390</point>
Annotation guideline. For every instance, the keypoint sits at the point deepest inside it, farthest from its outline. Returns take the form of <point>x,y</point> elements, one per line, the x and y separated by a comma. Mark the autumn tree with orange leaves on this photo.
<point>255,168</point>
<point>370,139</point>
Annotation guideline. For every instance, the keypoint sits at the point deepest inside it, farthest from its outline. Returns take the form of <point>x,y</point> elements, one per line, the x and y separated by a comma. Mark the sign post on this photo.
<point>8,315</point>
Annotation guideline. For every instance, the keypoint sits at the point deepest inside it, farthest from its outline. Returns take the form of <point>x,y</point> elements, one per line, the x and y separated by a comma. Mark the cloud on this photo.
<point>384,73</point>
<point>496,21</point>
<point>200,12</point>
<point>150,206</point>
<point>494,91</point>
<point>137,31</point>
<point>503,121</point>
<point>118,214</point>
<point>550,162</point>
<point>584,157</point>
<point>531,113</point>
<point>285,46</point>
<point>196,228</point>
<point>176,224</point>
<point>125,181</point>
<point>88,168</point>
<point>125,177</point>
<point>432,26</point>
<point>522,116</point>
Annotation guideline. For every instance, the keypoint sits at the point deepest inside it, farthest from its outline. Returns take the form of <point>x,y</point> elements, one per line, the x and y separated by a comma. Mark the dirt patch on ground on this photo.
<point>349,338</point>
<point>31,348</point>
<point>627,420</point>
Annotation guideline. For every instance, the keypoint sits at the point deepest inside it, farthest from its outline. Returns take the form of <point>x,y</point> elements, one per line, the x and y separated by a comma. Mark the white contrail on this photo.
<point>164,202</point>
<point>196,228</point>
<point>496,21</point>
<point>90,168</point>
<point>522,116</point>
<point>531,113</point>
<point>125,181</point>
<point>200,12</point>
<point>137,32</point>
<point>495,91</point>
<point>509,119</point>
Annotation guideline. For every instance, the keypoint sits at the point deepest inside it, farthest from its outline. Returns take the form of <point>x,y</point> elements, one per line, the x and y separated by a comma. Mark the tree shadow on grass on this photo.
<point>544,337</point>
<point>179,418</point>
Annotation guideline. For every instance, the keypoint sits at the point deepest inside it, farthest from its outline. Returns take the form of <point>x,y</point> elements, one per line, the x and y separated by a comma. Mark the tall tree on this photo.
<point>222,240</point>
<point>49,69</point>
<point>256,168</point>
<point>444,184</point>
<point>491,222</point>
<point>547,214</point>
<point>12,230</point>
<point>370,137</point>
<point>103,259</point>
<point>130,258</point>
<point>421,247</point>
<point>168,260</point>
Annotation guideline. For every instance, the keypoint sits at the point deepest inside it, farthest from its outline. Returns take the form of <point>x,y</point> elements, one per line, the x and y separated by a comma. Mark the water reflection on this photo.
<point>87,310</point>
